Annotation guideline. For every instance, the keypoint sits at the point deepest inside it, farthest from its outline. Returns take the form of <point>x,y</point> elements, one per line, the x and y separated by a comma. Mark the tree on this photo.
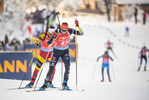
<point>128,11</point>
<point>51,4</point>
<point>12,20</point>
<point>71,5</point>
<point>108,8</point>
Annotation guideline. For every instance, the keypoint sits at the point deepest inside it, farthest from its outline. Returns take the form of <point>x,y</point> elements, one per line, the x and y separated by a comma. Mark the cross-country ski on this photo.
<point>54,89</point>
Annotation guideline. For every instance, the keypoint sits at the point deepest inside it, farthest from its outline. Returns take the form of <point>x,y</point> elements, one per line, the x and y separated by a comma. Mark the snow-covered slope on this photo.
<point>127,83</point>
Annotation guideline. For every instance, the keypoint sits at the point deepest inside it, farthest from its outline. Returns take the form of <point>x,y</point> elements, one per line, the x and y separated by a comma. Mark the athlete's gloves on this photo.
<point>98,58</point>
<point>77,22</point>
<point>38,42</point>
<point>50,40</point>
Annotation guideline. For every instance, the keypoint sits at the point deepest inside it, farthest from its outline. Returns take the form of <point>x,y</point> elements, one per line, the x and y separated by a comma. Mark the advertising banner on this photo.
<point>13,65</point>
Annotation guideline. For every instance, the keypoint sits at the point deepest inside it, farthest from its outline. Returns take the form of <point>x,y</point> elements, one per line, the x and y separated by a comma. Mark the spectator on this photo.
<point>26,41</point>
<point>37,16</point>
<point>135,14</point>
<point>15,44</point>
<point>8,47</point>
<point>144,16</point>
<point>6,39</point>
<point>2,46</point>
<point>36,32</point>
<point>43,15</point>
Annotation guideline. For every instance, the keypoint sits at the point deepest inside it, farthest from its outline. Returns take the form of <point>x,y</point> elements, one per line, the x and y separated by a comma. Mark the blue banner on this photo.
<point>13,65</point>
<point>72,52</point>
<point>32,48</point>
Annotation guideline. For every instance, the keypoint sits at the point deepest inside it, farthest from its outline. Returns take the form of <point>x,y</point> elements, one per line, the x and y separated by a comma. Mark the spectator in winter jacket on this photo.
<point>135,14</point>
<point>144,16</point>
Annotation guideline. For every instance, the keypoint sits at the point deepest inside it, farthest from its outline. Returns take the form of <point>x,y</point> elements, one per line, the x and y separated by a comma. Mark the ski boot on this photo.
<point>138,69</point>
<point>145,68</point>
<point>110,80</point>
<point>30,85</point>
<point>51,85</point>
<point>65,87</point>
<point>45,85</point>
<point>102,80</point>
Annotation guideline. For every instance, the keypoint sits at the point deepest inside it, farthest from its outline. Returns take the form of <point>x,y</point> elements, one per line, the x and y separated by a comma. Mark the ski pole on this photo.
<point>94,70</point>
<point>113,71</point>
<point>46,56</point>
<point>47,22</point>
<point>42,69</point>
<point>28,67</point>
<point>61,71</point>
<point>114,54</point>
<point>76,56</point>
<point>138,61</point>
<point>57,13</point>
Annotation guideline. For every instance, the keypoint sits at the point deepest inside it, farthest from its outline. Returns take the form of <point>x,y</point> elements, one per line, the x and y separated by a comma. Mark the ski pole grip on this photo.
<point>57,13</point>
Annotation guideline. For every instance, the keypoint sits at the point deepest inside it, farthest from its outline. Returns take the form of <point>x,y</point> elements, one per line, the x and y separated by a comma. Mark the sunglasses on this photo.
<point>64,30</point>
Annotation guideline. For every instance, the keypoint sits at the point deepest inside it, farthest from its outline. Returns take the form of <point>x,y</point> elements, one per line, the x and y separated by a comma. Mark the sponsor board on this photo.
<point>13,65</point>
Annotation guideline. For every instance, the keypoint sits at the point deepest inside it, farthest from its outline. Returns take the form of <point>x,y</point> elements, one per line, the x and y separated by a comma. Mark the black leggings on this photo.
<point>145,58</point>
<point>64,54</point>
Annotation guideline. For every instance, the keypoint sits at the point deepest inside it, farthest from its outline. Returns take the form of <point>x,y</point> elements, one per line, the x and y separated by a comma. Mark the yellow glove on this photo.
<point>37,42</point>
<point>42,36</point>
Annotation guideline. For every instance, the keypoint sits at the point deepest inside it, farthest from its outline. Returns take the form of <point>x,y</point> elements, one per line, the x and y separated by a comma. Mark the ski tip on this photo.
<point>28,91</point>
<point>31,90</point>
<point>10,89</point>
<point>16,88</point>
<point>66,89</point>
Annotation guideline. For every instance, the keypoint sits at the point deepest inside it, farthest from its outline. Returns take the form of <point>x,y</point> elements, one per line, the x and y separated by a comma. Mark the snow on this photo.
<point>132,1</point>
<point>127,83</point>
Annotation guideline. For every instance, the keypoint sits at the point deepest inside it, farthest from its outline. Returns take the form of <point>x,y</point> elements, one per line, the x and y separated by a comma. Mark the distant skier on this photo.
<point>143,56</point>
<point>42,55</point>
<point>127,31</point>
<point>105,63</point>
<point>109,46</point>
